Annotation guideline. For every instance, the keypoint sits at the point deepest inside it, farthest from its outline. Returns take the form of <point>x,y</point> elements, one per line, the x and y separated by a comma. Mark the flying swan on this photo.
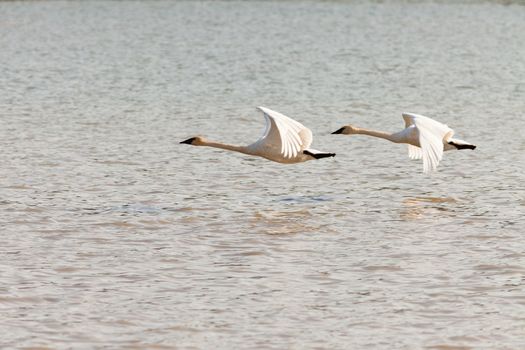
<point>426,138</point>
<point>284,141</point>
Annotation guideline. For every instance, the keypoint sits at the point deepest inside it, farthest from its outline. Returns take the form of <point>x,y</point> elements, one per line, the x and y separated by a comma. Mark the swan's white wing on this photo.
<point>409,119</point>
<point>432,149</point>
<point>431,137</point>
<point>415,152</point>
<point>284,134</point>
<point>429,123</point>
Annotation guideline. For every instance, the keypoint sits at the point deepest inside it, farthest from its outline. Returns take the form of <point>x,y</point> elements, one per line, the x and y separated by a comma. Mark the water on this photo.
<point>116,236</point>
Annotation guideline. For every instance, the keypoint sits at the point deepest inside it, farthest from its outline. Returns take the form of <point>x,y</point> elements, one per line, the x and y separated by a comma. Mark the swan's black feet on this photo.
<point>461,146</point>
<point>319,155</point>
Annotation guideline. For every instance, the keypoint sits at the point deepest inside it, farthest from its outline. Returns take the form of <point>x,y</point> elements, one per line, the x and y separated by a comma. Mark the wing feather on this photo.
<point>414,152</point>
<point>431,137</point>
<point>283,133</point>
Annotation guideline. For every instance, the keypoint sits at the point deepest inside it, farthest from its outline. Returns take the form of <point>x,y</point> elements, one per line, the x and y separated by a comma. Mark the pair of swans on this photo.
<point>287,141</point>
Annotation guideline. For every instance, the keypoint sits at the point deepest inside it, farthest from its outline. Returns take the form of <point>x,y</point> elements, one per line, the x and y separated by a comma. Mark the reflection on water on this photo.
<point>282,222</point>
<point>116,236</point>
<point>420,207</point>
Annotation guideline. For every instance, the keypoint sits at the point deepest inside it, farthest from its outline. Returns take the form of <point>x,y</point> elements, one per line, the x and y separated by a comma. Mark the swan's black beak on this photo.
<point>339,131</point>
<point>188,141</point>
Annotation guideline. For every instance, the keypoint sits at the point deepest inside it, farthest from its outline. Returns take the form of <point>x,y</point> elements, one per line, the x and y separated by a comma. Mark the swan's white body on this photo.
<point>427,139</point>
<point>284,140</point>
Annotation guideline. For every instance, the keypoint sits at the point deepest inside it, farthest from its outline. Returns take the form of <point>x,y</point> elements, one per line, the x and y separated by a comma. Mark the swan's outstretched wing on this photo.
<point>414,152</point>
<point>286,135</point>
<point>431,137</point>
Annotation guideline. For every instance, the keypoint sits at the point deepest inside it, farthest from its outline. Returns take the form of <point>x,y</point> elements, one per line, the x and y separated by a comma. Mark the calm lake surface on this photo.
<point>113,235</point>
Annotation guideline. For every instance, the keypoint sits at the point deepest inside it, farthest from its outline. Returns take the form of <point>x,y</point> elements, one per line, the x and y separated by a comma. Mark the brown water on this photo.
<point>115,236</point>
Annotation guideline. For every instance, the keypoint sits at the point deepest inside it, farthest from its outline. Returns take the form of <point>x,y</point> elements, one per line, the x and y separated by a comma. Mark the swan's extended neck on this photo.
<point>235,148</point>
<point>375,133</point>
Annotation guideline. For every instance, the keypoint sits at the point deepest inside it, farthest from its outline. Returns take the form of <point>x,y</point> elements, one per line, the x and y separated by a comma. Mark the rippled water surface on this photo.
<point>116,236</point>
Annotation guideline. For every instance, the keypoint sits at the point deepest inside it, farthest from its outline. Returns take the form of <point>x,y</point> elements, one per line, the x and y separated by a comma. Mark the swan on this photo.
<point>426,138</point>
<point>284,140</point>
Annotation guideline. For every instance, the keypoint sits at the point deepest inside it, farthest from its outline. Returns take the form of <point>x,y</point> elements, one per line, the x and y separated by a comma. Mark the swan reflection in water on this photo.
<point>285,222</point>
<point>415,208</point>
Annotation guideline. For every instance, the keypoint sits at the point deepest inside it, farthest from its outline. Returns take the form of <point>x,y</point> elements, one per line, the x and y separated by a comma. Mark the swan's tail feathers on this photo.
<point>318,154</point>
<point>460,144</point>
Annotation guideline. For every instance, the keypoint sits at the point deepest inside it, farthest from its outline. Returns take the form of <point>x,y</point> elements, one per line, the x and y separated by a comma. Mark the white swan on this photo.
<point>426,138</point>
<point>284,141</point>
